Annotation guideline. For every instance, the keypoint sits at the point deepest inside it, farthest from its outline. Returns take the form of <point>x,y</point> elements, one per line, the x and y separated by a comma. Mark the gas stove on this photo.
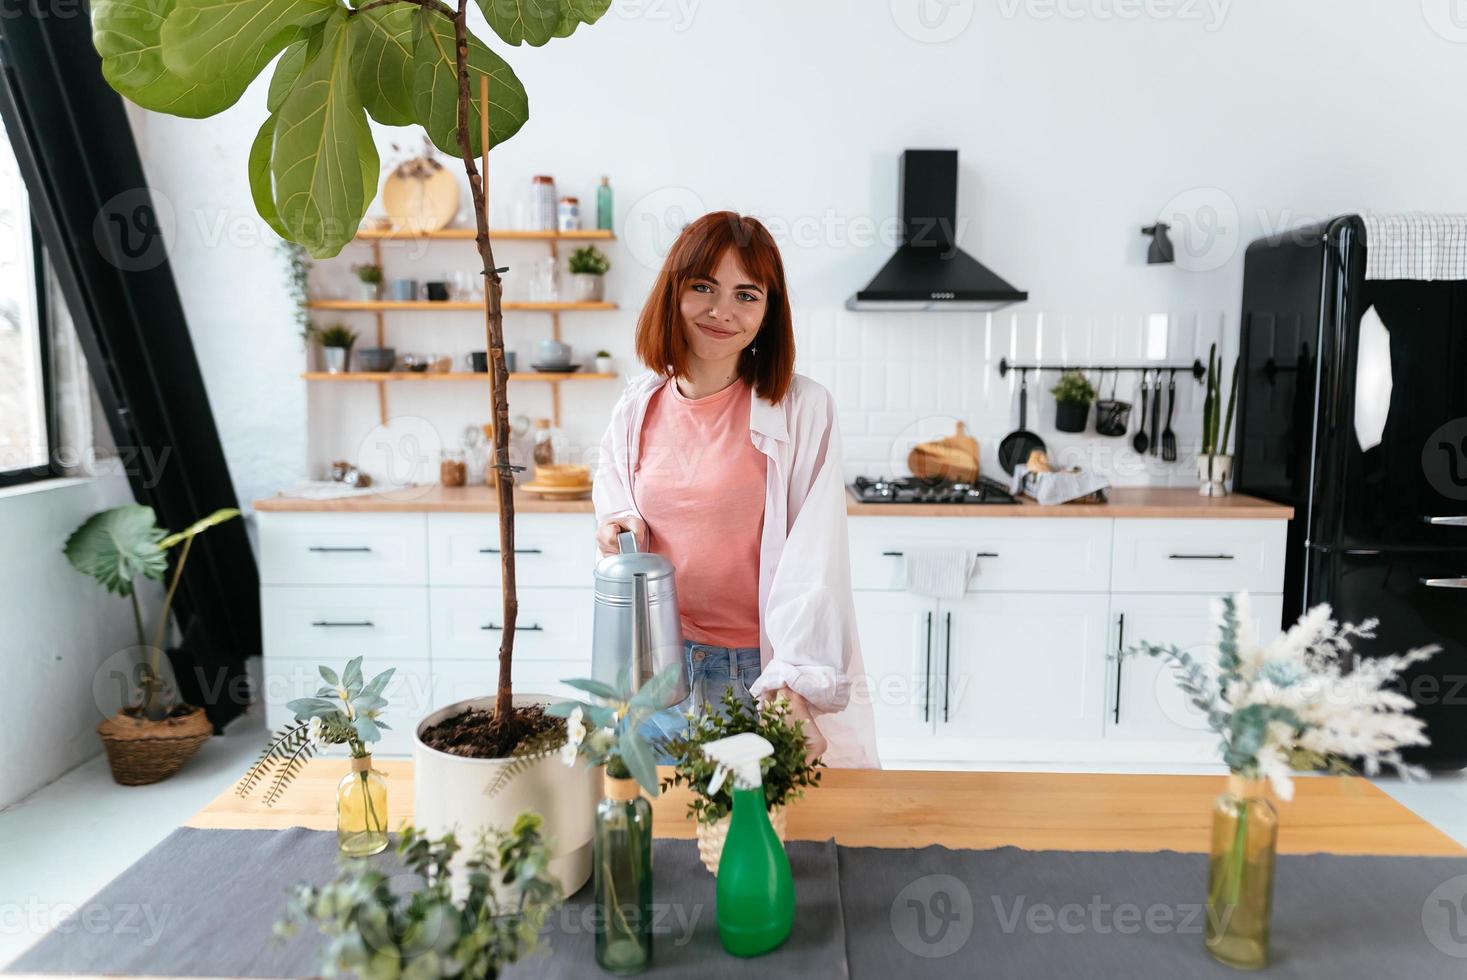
<point>911,490</point>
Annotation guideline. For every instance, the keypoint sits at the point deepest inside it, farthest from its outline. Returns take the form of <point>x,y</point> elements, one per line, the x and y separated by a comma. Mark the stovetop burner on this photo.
<point>911,490</point>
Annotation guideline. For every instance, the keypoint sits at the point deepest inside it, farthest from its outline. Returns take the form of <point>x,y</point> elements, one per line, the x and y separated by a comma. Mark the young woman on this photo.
<point>728,463</point>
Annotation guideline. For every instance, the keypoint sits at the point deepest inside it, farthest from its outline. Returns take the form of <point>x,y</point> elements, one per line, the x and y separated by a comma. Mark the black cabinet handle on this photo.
<point>1452,521</point>
<point>1445,583</point>
<point>518,629</point>
<point>324,548</point>
<point>927,675</point>
<point>947,666</point>
<point>331,625</point>
<point>1120,659</point>
<point>518,551</point>
<point>980,554</point>
<point>1200,557</point>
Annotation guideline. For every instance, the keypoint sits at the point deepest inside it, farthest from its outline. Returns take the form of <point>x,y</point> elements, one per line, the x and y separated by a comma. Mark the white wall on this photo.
<point>1078,121</point>
<point>63,632</point>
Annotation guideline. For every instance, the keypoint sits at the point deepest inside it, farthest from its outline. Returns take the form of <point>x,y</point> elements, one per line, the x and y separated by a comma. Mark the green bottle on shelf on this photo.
<point>755,891</point>
<point>603,205</point>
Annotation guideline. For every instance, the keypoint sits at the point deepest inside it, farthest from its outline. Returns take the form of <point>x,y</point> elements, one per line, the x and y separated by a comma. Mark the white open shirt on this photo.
<point>808,639</point>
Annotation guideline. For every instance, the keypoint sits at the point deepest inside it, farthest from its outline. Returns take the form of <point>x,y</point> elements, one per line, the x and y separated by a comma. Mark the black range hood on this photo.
<point>929,272</point>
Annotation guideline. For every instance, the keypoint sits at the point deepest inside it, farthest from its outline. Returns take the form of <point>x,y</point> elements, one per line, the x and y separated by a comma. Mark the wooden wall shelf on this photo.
<point>394,305</point>
<point>454,376</point>
<point>468,235</point>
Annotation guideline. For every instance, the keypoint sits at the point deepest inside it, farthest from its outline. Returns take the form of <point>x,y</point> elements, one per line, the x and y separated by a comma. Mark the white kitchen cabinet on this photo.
<point>898,632</point>
<point>342,549</point>
<point>552,624</point>
<point>336,623</point>
<point>1020,665</point>
<point>1210,556</point>
<point>551,550</point>
<point>1143,701</point>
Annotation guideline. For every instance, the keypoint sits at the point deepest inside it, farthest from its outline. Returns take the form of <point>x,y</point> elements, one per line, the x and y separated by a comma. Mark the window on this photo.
<point>27,433</point>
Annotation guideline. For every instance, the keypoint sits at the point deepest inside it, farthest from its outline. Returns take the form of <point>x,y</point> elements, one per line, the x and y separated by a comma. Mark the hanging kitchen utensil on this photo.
<point>953,457</point>
<point>1156,413</point>
<point>1168,437</point>
<point>1017,445</point>
<point>1112,417</point>
<point>1141,442</point>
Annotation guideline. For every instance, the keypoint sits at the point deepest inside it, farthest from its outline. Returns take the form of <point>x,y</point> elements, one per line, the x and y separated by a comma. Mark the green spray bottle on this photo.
<point>756,894</point>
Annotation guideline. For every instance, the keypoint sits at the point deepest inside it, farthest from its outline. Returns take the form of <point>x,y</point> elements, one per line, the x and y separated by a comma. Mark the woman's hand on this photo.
<point>606,534</point>
<point>815,743</point>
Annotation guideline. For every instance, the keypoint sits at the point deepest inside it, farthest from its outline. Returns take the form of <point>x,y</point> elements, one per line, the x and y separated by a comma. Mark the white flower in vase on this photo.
<point>575,733</point>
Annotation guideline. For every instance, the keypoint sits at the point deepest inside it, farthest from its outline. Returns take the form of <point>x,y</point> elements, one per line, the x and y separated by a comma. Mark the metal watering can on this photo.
<point>636,623</point>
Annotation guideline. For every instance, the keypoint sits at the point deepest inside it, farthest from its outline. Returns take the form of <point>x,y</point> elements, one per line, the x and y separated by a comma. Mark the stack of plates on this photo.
<point>561,481</point>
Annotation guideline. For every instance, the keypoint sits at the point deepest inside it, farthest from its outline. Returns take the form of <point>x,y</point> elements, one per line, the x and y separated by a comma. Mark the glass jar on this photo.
<point>361,810</point>
<point>543,453</point>
<point>1240,874</point>
<point>453,468</point>
<point>623,873</point>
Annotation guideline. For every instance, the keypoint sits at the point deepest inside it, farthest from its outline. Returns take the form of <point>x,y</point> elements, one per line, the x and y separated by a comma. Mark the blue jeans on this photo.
<point>711,671</point>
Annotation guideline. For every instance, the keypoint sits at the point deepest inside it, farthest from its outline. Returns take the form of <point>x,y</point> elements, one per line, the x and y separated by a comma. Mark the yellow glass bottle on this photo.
<point>1240,874</point>
<point>361,810</point>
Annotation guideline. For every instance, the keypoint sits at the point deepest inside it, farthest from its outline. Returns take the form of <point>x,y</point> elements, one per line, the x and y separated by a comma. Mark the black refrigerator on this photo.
<point>1352,407</point>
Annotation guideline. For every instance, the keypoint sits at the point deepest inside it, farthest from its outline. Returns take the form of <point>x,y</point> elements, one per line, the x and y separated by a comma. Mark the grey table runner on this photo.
<point>202,903</point>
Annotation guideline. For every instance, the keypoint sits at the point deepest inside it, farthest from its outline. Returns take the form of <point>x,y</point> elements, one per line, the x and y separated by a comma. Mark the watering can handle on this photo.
<point>626,541</point>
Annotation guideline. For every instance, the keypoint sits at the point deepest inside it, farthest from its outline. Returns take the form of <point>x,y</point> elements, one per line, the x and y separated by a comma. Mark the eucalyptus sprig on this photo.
<point>614,738</point>
<point>380,935</point>
<point>786,774</point>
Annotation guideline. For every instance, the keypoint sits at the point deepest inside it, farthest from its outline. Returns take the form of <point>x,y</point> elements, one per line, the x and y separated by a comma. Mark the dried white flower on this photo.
<point>575,732</point>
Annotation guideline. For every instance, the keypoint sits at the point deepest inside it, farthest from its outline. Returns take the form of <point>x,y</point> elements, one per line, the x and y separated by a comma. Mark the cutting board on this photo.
<point>953,457</point>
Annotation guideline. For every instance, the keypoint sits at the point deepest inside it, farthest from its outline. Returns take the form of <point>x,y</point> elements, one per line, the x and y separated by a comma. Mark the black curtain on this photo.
<point>101,231</point>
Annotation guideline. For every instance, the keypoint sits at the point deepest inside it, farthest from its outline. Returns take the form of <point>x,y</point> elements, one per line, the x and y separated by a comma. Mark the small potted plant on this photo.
<point>1301,703</point>
<point>1215,463</point>
<point>603,362</point>
<point>787,773</point>
<point>344,711</point>
<point>447,927</point>
<point>588,265</point>
<point>336,343</point>
<point>370,275</point>
<point>1073,394</point>
<point>149,740</point>
<point>616,742</point>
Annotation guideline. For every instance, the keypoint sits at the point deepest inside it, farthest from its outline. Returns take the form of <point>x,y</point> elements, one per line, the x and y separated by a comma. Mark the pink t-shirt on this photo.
<point>699,484</point>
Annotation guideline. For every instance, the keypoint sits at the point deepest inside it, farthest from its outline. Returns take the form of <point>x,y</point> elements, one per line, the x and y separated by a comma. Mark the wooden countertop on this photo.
<point>1038,811</point>
<point>1164,502</point>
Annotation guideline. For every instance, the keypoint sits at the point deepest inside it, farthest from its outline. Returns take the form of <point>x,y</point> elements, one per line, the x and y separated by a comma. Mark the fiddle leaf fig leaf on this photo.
<point>292,62</point>
<point>382,42</point>
<point>317,159</point>
<point>574,13</point>
<point>126,35</point>
<point>262,188</point>
<point>116,546</point>
<point>212,40</point>
<point>522,21</point>
<point>435,87</point>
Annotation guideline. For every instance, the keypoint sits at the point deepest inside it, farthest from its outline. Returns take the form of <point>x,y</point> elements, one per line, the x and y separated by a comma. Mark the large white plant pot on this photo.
<point>450,793</point>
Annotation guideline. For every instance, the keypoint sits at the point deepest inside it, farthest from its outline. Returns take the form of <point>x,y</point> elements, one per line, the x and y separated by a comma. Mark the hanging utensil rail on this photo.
<point>1197,369</point>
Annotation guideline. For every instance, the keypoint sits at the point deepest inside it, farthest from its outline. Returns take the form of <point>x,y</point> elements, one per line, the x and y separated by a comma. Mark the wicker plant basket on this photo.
<point>712,835</point>
<point>141,751</point>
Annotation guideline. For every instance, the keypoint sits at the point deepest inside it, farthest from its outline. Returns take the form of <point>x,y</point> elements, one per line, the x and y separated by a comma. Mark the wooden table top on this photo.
<point>1128,502</point>
<point>893,808</point>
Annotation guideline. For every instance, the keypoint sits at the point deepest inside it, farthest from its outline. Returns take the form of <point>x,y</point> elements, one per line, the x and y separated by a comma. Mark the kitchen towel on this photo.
<point>941,573</point>
<point>202,903</point>
<point>1416,245</point>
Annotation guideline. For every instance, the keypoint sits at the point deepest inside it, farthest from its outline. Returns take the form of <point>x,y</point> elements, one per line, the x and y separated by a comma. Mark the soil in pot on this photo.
<point>480,734</point>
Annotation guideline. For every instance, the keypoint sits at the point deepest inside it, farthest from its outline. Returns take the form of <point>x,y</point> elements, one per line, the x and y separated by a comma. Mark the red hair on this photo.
<point>661,343</point>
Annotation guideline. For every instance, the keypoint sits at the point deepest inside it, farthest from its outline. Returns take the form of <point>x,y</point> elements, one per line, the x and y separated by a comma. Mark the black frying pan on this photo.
<point>1017,445</point>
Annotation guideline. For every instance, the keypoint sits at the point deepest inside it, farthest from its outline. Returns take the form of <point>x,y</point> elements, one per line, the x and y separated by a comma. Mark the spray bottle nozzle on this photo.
<point>740,755</point>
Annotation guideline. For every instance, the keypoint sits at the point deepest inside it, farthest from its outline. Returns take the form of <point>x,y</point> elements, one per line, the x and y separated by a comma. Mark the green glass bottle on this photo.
<point>623,868</point>
<point>755,890</point>
<point>1240,875</point>
<point>603,205</point>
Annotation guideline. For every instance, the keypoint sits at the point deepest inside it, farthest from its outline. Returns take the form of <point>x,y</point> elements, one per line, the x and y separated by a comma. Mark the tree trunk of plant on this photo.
<point>504,476</point>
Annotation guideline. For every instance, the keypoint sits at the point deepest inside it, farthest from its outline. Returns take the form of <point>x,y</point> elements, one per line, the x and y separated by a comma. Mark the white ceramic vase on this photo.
<point>603,365</point>
<point>712,835</point>
<point>587,288</point>
<point>450,793</point>
<point>1214,473</point>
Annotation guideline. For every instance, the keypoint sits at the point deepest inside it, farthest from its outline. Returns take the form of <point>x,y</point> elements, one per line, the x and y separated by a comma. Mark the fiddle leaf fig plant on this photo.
<point>313,164</point>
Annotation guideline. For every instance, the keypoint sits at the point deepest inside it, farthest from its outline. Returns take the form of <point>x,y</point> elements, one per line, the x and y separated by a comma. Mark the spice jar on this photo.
<point>453,468</point>
<point>544,451</point>
<point>569,214</point>
<point>542,202</point>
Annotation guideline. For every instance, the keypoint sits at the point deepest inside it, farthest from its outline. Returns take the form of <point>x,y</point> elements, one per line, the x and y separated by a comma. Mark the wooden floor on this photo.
<point>1039,811</point>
